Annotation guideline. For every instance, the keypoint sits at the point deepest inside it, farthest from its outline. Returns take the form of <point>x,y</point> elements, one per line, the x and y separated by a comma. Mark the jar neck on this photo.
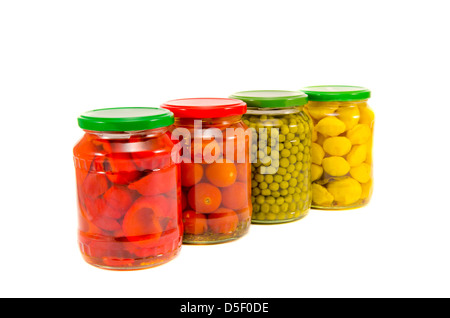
<point>208,122</point>
<point>148,133</point>
<point>274,111</point>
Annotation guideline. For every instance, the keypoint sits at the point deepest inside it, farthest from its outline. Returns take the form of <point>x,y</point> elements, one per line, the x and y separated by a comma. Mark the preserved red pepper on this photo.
<point>213,145</point>
<point>129,207</point>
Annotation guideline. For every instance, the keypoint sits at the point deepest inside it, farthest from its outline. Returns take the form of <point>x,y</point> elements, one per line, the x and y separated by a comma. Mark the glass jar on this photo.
<point>128,185</point>
<point>215,168</point>
<point>281,160</point>
<point>342,146</point>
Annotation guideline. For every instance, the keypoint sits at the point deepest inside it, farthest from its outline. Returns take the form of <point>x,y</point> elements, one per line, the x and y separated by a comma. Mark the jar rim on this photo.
<point>205,107</point>
<point>336,93</point>
<point>271,98</point>
<point>122,119</point>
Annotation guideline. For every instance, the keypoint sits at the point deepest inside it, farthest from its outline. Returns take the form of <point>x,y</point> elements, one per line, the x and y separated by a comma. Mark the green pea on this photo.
<point>290,136</point>
<point>266,192</point>
<point>292,159</point>
<point>287,176</point>
<point>284,162</point>
<point>280,200</point>
<point>277,178</point>
<point>284,184</point>
<point>285,153</point>
<point>276,194</point>
<point>301,129</point>
<point>268,178</point>
<point>296,197</point>
<point>284,192</point>
<point>284,207</point>
<point>265,207</point>
<point>291,168</point>
<point>292,206</point>
<point>294,150</point>
<point>293,182</point>
<point>259,178</point>
<point>256,208</point>
<point>271,216</point>
<point>282,171</point>
<point>287,144</point>
<point>281,216</point>
<point>274,186</point>
<point>256,191</point>
<point>284,129</point>
<point>260,199</point>
<point>270,200</point>
<point>260,216</point>
<point>281,139</point>
<point>275,208</point>
<point>291,190</point>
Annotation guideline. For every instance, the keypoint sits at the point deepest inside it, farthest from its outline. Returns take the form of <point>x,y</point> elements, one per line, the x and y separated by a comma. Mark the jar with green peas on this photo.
<point>280,154</point>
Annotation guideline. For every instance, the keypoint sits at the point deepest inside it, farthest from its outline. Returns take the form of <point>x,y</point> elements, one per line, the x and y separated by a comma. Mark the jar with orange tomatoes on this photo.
<point>129,207</point>
<point>213,149</point>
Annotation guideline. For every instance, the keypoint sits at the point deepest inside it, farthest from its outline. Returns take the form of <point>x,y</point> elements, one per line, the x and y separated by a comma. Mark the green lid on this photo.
<point>271,98</point>
<point>336,93</point>
<point>125,119</point>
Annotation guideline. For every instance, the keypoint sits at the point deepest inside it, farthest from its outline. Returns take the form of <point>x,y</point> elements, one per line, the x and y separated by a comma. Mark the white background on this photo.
<point>61,58</point>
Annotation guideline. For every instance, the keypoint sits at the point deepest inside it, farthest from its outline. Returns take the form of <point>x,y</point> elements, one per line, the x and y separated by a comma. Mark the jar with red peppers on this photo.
<point>215,168</point>
<point>128,185</point>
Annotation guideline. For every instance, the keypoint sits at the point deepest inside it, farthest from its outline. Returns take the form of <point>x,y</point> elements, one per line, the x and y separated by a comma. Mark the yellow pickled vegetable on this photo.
<point>321,196</point>
<point>314,135</point>
<point>345,191</point>
<point>317,153</point>
<point>349,115</point>
<point>319,111</point>
<point>335,166</point>
<point>330,126</point>
<point>366,189</point>
<point>357,155</point>
<point>361,173</point>
<point>359,134</point>
<point>366,116</point>
<point>337,146</point>
<point>320,139</point>
<point>316,172</point>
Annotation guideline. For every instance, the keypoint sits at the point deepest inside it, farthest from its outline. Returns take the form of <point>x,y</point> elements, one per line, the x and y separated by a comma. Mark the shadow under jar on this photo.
<point>215,168</point>
<point>281,155</point>
<point>129,207</point>
<point>342,146</point>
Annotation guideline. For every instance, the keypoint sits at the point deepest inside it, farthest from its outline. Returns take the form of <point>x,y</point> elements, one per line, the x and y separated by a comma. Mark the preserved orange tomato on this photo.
<point>129,191</point>
<point>215,168</point>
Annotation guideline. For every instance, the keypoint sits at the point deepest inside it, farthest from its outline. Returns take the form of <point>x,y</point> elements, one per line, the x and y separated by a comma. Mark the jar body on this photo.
<point>129,210</point>
<point>281,159</point>
<point>341,153</point>
<point>215,178</point>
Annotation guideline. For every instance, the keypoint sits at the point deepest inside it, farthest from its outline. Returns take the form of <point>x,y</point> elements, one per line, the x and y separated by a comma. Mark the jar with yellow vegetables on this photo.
<point>341,152</point>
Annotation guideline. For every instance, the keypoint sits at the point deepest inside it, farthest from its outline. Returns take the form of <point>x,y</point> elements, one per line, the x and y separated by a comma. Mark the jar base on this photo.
<point>347,207</point>
<point>214,238</point>
<point>269,222</point>
<point>131,264</point>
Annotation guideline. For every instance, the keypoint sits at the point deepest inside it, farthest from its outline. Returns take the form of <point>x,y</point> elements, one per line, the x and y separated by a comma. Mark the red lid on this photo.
<point>205,107</point>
